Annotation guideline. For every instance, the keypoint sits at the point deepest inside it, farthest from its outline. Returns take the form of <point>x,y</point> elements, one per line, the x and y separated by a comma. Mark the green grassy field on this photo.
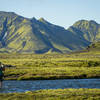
<point>59,94</point>
<point>51,66</point>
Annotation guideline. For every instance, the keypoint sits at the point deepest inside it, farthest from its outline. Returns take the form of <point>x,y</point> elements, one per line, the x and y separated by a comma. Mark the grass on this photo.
<point>59,94</point>
<point>51,66</point>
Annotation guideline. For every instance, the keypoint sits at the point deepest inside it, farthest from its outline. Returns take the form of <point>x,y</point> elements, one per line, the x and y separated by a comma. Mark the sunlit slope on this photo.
<point>95,47</point>
<point>86,30</point>
<point>19,35</point>
<point>24,35</point>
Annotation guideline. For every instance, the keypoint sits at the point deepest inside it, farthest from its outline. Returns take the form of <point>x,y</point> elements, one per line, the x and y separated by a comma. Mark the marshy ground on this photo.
<point>52,66</point>
<point>59,94</point>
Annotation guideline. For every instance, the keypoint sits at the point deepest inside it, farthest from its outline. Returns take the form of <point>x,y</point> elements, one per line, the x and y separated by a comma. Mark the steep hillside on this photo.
<point>24,35</point>
<point>86,30</point>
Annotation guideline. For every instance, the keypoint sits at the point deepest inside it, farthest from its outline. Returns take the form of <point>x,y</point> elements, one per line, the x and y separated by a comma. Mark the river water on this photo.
<point>23,86</point>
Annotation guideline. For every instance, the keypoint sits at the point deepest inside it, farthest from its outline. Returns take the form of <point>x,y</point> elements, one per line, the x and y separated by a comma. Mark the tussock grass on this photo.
<point>58,94</point>
<point>51,66</point>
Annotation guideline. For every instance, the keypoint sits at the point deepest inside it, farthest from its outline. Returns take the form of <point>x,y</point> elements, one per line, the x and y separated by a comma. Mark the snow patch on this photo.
<point>5,35</point>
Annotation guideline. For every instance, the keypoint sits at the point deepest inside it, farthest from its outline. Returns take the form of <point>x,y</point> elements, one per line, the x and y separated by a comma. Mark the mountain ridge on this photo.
<point>29,35</point>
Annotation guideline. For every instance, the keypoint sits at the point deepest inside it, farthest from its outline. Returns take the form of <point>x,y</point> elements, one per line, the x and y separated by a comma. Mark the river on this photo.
<point>32,85</point>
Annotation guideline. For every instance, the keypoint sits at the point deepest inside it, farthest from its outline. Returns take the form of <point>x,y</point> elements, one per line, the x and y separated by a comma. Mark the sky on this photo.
<point>60,12</point>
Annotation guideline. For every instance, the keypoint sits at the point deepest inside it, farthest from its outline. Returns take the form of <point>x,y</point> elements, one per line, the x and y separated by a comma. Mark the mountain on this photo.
<point>25,35</point>
<point>88,30</point>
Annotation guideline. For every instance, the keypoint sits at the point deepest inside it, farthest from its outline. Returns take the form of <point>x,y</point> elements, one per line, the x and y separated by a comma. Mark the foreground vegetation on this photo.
<point>59,94</point>
<point>51,66</point>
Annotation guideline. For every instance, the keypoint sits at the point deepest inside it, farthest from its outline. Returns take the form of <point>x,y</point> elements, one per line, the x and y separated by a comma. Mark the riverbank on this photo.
<point>51,77</point>
<point>51,66</point>
<point>59,94</point>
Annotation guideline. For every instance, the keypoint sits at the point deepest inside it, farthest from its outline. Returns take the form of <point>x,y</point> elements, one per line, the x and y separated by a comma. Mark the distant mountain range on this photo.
<point>24,35</point>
